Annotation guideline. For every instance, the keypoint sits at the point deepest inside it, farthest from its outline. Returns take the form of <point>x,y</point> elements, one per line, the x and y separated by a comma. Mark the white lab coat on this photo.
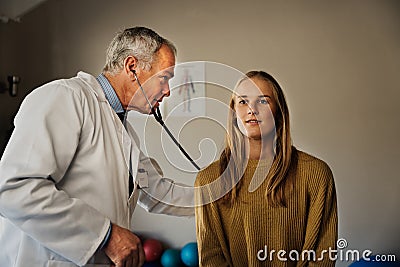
<point>64,176</point>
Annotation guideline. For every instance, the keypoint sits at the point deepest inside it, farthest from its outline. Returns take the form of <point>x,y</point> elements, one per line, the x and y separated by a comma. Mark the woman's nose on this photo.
<point>252,109</point>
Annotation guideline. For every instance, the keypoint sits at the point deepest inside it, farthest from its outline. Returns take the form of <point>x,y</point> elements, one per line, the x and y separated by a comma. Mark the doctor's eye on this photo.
<point>164,78</point>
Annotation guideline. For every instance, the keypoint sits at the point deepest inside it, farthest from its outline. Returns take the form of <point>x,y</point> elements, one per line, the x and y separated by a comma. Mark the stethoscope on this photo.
<point>157,115</point>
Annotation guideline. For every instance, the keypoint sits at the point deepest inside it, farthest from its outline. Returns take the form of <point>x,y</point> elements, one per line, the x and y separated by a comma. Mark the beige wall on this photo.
<point>338,62</point>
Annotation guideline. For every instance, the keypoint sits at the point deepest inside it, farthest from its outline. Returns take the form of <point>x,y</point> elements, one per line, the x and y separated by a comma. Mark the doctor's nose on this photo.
<point>166,91</point>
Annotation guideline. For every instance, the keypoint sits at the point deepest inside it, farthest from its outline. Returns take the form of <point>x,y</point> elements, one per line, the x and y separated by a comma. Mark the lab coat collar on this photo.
<point>94,84</point>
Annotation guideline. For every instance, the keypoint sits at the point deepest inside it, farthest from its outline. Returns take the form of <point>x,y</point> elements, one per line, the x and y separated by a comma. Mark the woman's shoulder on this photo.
<point>313,168</point>
<point>208,174</point>
<point>307,159</point>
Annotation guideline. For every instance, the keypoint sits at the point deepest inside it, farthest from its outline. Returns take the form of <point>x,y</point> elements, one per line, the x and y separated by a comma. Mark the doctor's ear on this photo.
<point>130,66</point>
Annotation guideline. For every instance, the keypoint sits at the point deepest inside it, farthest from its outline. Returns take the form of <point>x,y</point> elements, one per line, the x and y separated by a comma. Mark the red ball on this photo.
<point>152,249</point>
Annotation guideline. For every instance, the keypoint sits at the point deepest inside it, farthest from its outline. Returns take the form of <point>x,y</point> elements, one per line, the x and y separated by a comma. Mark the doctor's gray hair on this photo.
<point>139,42</point>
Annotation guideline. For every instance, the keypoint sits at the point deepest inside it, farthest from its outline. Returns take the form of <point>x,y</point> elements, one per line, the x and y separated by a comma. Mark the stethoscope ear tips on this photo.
<point>134,74</point>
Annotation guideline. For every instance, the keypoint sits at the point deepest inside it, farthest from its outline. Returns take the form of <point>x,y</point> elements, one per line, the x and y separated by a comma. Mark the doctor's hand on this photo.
<point>124,248</point>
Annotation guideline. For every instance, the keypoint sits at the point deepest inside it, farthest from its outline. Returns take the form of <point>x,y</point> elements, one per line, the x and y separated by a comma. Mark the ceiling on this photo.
<point>15,9</point>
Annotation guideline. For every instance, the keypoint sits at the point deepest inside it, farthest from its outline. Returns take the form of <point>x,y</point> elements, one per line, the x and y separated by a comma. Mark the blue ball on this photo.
<point>189,255</point>
<point>171,258</point>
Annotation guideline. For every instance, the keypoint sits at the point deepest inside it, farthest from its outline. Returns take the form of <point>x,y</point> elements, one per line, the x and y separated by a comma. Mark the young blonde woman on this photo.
<point>264,203</point>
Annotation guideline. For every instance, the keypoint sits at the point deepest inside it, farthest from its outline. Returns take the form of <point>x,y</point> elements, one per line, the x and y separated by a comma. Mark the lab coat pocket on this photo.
<point>54,263</point>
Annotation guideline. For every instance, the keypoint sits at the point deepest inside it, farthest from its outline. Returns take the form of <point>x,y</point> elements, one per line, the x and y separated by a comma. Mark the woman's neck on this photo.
<point>260,149</point>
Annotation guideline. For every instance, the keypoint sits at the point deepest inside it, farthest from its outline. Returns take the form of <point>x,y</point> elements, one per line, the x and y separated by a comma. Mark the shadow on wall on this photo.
<point>7,135</point>
<point>7,130</point>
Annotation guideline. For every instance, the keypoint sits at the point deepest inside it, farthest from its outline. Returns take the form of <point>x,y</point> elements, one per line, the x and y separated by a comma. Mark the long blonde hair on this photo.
<point>235,148</point>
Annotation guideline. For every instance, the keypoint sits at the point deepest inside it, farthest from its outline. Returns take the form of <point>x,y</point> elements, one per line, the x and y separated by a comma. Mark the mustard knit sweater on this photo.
<point>249,232</point>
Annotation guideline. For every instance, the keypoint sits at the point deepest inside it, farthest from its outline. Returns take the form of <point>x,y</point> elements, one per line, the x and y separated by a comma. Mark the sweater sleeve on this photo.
<point>212,247</point>
<point>322,222</point>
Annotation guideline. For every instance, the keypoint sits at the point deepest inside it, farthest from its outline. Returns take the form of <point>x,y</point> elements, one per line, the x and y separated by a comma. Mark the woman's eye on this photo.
<point>242,101</point>
<point>264,101</point>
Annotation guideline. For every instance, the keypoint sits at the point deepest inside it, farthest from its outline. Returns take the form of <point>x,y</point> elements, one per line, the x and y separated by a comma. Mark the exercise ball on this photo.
<point>189,255</point>
<point>152,249</point>
<point>171,258</point>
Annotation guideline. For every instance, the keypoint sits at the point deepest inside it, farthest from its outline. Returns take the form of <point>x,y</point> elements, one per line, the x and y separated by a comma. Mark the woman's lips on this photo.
<point>253,121</point>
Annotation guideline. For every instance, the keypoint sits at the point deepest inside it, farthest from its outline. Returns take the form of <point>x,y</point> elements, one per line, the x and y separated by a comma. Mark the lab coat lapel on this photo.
<point>126,143</point>
<point>135,151</point>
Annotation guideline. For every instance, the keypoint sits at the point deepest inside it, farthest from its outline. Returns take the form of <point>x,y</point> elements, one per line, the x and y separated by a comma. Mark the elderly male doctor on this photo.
<point>72,171</point>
